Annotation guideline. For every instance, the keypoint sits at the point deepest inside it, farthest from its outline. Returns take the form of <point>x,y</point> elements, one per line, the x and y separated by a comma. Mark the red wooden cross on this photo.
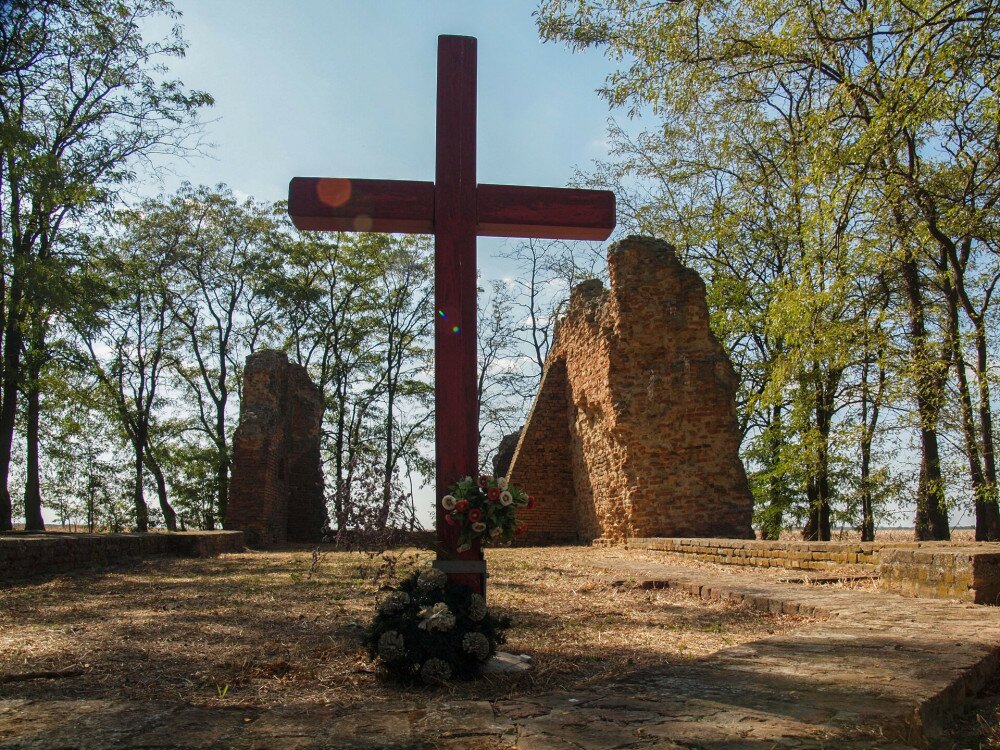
<point>455,209</point>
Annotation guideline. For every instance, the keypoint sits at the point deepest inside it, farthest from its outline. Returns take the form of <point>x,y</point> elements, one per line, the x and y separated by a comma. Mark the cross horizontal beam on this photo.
<point>349,205</point>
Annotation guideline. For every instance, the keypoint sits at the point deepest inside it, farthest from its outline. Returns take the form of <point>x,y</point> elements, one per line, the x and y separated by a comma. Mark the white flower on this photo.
<point>506,498</point>
<point>391,646</point>
<point>448,502</point>
<point>477,607</point>
<point>479,527</point>
<point>502,483</point>
<point>431,579</point>
<point>438,617</point>
<point>435,670</point>
<point>476,644</point>
<point>394,602</point>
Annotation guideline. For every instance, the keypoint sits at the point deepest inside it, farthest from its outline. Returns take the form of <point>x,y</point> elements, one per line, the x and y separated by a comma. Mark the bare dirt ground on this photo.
<point>274,629</point>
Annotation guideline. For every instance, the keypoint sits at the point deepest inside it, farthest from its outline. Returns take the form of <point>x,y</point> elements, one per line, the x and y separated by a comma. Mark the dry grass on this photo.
<point>258,629</point>
<point>881,535</point>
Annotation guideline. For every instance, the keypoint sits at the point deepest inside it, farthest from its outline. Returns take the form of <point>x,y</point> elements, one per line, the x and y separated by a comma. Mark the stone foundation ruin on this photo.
<point>633,432</point>
<point>276,493</point>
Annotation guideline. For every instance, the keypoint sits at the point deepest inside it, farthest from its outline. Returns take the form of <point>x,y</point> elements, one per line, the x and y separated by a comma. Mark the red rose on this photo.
<point>521,528</point>
<point>462,505</point>
<point>448,519</point>
<point>484,481</point>
<point>475,515</point>
<point>493,493</point>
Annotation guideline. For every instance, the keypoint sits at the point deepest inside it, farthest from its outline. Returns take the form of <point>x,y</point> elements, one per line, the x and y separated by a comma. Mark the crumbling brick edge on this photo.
<point>24,556</point>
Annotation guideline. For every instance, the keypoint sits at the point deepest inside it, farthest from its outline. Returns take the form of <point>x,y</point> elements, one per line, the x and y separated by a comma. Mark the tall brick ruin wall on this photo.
<point>633,432</point>
<point>276,494</point>
<point>549,445</point>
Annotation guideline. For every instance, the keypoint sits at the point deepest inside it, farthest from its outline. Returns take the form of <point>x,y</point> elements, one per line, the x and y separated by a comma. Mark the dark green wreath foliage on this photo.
<point>422,645</point>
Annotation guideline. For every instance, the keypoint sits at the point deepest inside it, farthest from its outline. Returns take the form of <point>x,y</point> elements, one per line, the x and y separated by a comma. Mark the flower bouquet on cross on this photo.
<point>486,509</point>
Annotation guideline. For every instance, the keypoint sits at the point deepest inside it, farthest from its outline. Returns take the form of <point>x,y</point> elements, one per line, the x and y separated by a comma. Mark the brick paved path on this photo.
<point>880,669</point>
<point>877,671</point>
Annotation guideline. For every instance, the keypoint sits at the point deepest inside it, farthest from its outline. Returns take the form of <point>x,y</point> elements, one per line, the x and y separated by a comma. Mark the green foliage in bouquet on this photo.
<point>485,509</point>
<point>430,628</point>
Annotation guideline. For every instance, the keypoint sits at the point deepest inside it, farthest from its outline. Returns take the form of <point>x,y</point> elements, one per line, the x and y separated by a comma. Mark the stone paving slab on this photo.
<point>899,666</point>
<point>876,671</point>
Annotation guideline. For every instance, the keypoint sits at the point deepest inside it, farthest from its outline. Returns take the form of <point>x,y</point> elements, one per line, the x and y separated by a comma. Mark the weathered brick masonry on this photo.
<point>942,570</point>
<point>276,494</point>
<point>25,555</point>
<point>633,432</point>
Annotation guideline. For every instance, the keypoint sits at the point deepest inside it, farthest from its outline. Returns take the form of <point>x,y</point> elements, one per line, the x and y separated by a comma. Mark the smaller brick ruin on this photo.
<point>633,432</point>
<point>276,493</point>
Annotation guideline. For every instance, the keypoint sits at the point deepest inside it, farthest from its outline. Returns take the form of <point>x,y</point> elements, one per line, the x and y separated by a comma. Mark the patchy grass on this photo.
<point>280,628</point>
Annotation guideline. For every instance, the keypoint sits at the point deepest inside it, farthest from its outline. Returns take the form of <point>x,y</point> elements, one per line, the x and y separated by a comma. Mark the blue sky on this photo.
<point>347,89</point>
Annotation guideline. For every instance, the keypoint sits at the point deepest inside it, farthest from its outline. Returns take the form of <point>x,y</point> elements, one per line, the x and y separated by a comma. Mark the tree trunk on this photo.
<point>818,525</point>
<point>770,527</point>
<point>383,514</point>
<point>339,497</point>
<point>976,478</point>
<point>13,339</point>
<point>6,507</point>
<point>868,426</point>
<point>222,470</point>
<point>139,496</point>
<point>979,489</point>
<point>91,502</point>
<point>33,520</point>
<point>987,510</point>
<point>169,516</point>
<point>931,522</point>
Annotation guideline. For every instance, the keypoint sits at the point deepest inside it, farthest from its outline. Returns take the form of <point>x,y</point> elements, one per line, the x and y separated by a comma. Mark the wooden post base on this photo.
<point>470,573</point>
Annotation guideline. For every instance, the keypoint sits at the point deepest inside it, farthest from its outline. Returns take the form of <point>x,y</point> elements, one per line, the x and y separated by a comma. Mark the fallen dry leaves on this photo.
<point>277,628</point>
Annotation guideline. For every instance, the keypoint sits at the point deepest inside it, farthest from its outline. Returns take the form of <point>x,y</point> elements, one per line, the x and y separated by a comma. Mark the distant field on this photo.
<point>897,534</point>
<point>894,534</point>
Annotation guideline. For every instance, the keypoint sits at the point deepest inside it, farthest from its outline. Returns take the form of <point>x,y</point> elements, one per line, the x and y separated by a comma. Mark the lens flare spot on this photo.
<point>455,329</point>
<point>441,313</point>
<point>335,191</point>
<point>363,223</point>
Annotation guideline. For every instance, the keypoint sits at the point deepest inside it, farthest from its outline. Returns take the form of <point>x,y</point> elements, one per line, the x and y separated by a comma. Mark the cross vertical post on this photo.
<point>456,432</point>
<point>456,210</point>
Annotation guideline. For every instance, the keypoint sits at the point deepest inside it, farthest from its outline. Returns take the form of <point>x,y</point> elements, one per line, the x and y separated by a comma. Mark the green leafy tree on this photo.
<point>129,350</point>
<point>356,311</point>
<point>225,252</point>
<point>862,129</point>
<point>83,99</point>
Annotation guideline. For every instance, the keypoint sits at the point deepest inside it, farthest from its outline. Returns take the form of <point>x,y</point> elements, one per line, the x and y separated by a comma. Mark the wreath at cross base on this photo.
<point>432,629</point>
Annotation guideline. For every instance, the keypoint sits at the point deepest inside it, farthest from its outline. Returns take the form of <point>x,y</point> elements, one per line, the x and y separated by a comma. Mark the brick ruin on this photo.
<point>276,492</point>
<point>633,432</point>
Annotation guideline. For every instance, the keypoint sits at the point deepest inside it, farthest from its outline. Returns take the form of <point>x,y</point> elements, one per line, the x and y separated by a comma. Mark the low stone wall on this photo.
<point>971,574</point>
<point>796,555</point>
<point>23,555</point>
<point>946,570</point>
